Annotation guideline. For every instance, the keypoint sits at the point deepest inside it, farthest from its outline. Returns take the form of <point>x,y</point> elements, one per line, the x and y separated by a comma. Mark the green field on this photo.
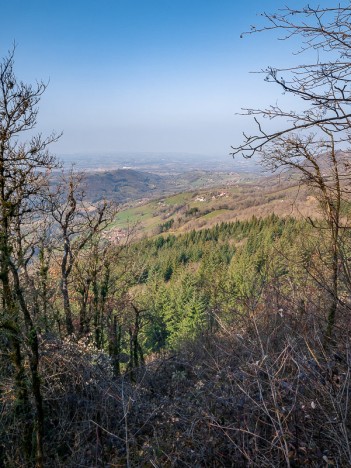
<point>203,208</point>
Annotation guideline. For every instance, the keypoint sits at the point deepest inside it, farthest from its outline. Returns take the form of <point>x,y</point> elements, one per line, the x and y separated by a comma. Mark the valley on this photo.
<point>232,198</point>
<point>163,195</point>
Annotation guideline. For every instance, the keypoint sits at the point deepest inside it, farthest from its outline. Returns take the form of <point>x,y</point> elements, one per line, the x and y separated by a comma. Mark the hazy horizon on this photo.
<point>158,162</point>
<point>136,76</point>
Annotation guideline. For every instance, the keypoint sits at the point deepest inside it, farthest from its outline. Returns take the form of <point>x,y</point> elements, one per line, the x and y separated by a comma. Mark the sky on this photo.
<point>144,75</point>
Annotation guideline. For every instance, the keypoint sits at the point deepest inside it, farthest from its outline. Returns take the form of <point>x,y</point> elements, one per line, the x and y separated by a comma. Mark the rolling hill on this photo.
<point>125,185</point>
<point>196,209</point>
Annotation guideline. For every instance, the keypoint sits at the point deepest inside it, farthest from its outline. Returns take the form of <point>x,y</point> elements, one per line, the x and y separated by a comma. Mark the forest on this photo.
<point>227,345</point>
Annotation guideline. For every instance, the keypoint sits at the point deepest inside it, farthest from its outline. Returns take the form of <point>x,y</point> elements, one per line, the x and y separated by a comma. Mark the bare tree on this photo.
<point>312,142</point>
<point>77,224</point>
<point>23,169</point>
<point>323,85</point>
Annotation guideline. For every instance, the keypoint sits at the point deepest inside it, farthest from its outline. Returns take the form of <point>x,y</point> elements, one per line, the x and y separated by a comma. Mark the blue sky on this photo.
<point>144,75</point>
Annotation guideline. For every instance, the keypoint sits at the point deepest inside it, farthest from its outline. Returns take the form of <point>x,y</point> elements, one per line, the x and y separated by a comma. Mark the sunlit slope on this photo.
<point>205,207</point>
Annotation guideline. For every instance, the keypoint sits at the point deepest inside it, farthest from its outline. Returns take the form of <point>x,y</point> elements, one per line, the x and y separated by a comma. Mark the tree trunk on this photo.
<point>34,368</point>
<point>114,346</point>
<point>334,293</point>
<point>67,306</point>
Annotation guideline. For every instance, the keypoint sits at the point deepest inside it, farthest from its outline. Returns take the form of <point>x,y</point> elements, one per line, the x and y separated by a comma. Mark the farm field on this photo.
<point>196,209</point>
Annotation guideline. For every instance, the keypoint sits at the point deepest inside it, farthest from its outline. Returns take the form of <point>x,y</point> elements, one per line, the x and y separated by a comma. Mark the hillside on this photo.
<point>124,185</point>
<point>232,201</point>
